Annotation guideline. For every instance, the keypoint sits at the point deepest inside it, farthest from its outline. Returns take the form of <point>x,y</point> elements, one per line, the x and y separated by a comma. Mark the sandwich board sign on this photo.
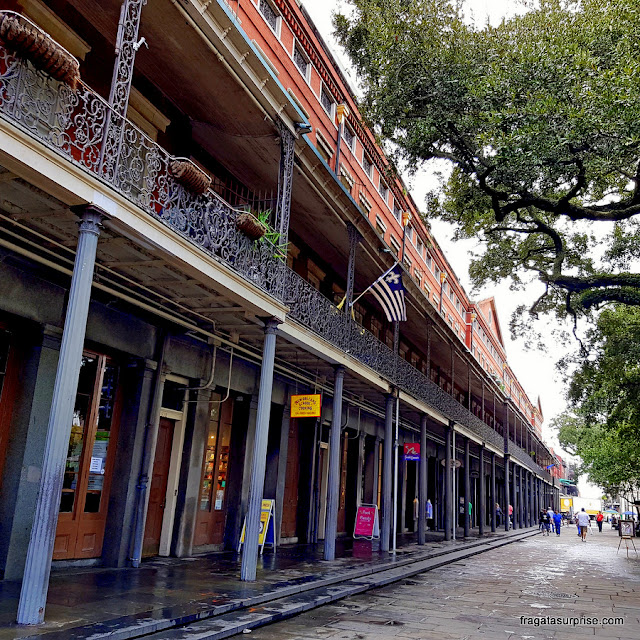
<point>267,531</point>
<point>367,522</point>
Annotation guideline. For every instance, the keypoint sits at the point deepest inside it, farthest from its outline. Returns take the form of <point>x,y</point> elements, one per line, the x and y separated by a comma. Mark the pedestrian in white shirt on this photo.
<point>583,523</point>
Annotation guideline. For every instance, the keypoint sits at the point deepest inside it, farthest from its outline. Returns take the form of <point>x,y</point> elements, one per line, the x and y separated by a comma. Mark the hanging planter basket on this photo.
<point>250,226</point>
<point>189,175</point>
<point>26,40</point>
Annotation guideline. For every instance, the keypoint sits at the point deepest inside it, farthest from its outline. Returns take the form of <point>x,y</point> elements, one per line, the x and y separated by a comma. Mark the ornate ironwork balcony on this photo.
<point>81,126</point>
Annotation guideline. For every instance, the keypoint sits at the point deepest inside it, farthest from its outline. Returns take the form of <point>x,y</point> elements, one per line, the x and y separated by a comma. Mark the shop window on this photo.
<point>91,432</point>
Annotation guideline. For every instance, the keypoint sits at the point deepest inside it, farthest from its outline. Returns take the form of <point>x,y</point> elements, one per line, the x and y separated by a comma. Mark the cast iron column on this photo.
<point>467,489</point>
<point>507,499</point>
<point>521,501</point>
<point>482,509</point>
<point>494,524</point>
<point>448,516</point>
<point>422,482</point>
<point>285,183</point>
<point>333,483</point>
<point>35,582</point>
<point>354,241</point>
<point>259,455</point>
<point>514,495</point>
<point>387,480</point>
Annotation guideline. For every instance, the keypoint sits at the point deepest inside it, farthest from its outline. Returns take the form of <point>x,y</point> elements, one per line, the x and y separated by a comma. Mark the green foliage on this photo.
<point>272,236</point>
<point>540,120</point>
<point>603,428</point>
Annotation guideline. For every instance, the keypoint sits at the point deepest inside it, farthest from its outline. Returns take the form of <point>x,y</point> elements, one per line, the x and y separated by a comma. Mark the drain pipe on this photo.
<point>150,440</point>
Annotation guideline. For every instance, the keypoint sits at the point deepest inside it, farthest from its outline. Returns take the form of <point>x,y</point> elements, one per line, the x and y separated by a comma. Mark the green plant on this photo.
<point>271,235</point>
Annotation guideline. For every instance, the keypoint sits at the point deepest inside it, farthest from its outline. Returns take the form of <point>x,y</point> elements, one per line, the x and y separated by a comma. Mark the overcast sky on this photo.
<point>535,370</point>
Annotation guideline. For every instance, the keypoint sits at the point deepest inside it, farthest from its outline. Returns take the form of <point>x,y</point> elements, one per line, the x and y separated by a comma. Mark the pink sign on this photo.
<point>365,522</point>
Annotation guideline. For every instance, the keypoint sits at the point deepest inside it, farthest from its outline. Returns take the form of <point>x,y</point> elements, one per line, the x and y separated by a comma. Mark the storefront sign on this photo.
<point>455,464</point>
<point>367,524</point>
<point>306,406</point>
<point>412,451</point>
<point>267,531</point>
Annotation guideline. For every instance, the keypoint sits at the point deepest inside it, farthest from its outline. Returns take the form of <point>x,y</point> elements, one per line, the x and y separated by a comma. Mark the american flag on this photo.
<point>389,292</point>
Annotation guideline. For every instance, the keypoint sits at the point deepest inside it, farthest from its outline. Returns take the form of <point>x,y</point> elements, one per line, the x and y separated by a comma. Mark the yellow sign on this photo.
<point>307,406</point>
<point>566,503</point>
<point>266,533</point>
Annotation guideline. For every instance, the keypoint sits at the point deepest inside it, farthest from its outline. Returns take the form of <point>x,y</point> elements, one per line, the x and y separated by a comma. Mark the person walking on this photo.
<point>599,519</point>
<point>541,520</point>
<point>557,520</point>
<point>510,516</point>
<point>583,523</point>
<point>498,515</point>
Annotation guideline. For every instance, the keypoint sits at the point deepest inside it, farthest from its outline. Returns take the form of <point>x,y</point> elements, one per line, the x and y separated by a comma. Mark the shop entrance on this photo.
<point>8,388</point>
<point>90,458</point>
<point>212,512</point>
<point>158,488</point>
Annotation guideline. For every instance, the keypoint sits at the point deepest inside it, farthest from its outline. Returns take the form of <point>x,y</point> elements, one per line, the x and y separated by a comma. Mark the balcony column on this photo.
<point>428,349</point>
<point>521,504</point>
<point>507,498</point>
<point>127,46</point>
<point>285,182</point>
<point>359,488</point>
<point>354,241</point>
<point>387,480</point>
<point>467,488</point>
<point>482,416</point>
<point>494,524</point>
<point>422,482</point>
<point>482,509</point>
<point>448,515</point>
<point>333,479</point>
<point>259,455</point>
<point>514,495</point>
<point>35,582</point>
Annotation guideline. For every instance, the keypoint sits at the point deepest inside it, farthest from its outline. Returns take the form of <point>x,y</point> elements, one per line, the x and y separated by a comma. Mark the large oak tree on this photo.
<point>540,120</point>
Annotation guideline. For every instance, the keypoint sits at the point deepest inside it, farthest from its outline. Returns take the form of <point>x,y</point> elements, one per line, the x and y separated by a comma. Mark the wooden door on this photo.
<point>158,488</point>
<point>212,509</point>
<point>9,378</point>
<point>90,458</point>
<point>342,511</point>
<point>289,524</point>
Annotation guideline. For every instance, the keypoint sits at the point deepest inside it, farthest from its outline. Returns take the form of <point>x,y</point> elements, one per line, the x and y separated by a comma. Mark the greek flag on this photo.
<point>389,292</point>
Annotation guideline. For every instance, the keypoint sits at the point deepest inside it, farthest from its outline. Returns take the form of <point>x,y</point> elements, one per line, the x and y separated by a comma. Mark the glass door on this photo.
<point>90,458</point>
<point>211,516</point>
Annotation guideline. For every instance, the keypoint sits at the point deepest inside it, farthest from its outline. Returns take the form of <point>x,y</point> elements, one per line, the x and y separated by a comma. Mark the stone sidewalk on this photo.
<point>166,592</point>
<point>529,592</point>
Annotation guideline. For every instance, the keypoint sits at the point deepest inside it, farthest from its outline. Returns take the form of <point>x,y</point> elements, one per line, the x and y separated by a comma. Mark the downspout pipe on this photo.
<point>150,440</point>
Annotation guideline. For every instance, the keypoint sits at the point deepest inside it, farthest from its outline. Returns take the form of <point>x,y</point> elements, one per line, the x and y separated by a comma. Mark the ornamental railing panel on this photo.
<point>77,125</point>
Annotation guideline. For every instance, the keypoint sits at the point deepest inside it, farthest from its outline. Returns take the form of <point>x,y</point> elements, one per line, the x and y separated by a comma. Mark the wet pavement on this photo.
<point>123,603</point>
<point>508,593</point>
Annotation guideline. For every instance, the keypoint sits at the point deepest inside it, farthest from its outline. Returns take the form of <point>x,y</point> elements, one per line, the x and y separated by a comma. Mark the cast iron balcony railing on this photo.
<point>79,124</point>
<point>76,125</point>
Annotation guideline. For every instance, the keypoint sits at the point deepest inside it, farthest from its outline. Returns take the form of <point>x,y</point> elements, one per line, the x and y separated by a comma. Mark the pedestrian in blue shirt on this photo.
<point>557,520</point>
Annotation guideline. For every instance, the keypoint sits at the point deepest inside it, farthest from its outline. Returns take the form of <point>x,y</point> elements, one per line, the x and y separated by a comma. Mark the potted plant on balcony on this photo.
<point>19,35</point>
<point>256,227</point>
<point>189,175</point>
